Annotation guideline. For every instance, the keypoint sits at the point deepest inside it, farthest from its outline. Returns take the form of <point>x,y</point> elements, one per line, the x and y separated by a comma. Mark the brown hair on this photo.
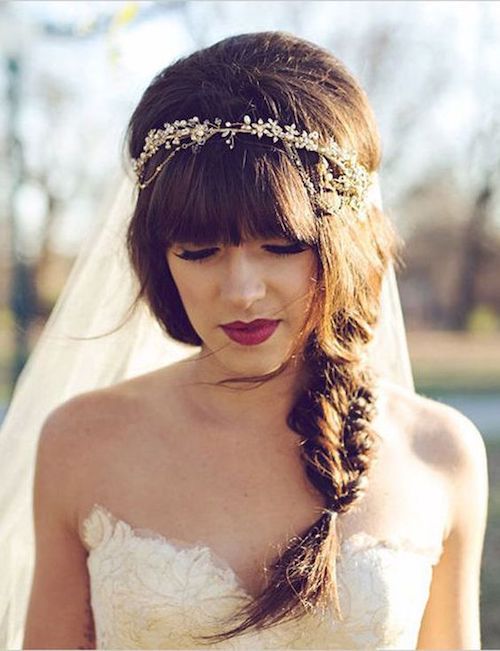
<point>223,195</point>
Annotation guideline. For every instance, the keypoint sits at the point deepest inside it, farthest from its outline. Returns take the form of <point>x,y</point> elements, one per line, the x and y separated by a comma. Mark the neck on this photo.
<point>248,404</point>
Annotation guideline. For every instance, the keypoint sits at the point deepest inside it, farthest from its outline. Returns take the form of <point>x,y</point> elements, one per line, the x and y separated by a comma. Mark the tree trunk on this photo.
<point>471,260</point>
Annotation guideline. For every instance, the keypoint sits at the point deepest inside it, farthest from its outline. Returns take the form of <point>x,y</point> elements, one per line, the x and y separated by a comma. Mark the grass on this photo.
<point>451,362</point>
<point>490,572</point>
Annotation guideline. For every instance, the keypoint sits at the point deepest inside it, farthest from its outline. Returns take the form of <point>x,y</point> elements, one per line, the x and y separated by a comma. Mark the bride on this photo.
<point>267,484</point>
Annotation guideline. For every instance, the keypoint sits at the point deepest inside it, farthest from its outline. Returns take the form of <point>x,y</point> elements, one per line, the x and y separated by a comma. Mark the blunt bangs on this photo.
<point>225,196</point>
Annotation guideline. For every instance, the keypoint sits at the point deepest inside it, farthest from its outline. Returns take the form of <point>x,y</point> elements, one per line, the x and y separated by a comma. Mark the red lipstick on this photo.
<point>250,334</point>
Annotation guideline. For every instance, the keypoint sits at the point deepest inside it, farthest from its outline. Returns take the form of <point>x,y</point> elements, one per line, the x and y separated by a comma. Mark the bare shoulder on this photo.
<point>439,433</point>
<point>94,436</point>
<point>461,452</point>
<point>70,442</point>
<point>91,415</point>
<point>77,434</point>
<point>448,442</point>
<point>95,415</point>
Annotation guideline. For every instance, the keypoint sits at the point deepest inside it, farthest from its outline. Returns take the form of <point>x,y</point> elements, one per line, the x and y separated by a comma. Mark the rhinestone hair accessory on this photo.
<point>349,188</point>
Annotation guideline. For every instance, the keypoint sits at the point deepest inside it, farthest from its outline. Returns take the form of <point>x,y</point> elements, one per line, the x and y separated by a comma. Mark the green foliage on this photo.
<point>483,319</point>
<point>490,574</point>
<point>6,318</point>
<point>434,381</point>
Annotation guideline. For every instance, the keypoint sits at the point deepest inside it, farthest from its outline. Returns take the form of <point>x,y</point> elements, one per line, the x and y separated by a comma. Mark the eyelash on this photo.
<point>200,256</point>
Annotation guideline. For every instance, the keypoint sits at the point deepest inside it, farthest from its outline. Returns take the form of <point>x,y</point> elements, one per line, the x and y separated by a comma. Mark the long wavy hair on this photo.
<point>223,195</point>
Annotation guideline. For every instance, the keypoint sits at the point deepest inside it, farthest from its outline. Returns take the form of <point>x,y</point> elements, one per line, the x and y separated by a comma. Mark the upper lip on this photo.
<point>250,324</point>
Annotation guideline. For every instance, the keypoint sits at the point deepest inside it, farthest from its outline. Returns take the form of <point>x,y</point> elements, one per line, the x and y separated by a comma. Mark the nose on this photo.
<point>243,281</point>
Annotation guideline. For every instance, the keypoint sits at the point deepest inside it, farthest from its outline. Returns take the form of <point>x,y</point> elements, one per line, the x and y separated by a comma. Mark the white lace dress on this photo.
<point>150,593</point>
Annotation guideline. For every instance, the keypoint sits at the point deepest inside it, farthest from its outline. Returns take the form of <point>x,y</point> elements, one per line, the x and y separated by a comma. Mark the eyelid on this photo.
<point>290,245</point>
<point>196,254</point>
<point>294,247</point>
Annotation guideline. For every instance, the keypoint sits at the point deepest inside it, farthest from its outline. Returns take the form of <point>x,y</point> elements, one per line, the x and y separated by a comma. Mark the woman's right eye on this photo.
<point>196,255</point>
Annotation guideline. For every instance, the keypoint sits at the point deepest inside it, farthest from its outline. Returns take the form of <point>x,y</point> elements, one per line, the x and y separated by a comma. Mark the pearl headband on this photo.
<point>350,188</point>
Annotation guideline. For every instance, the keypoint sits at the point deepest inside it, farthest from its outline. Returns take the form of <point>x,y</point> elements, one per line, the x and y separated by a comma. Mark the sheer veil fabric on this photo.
<point>95,299</point>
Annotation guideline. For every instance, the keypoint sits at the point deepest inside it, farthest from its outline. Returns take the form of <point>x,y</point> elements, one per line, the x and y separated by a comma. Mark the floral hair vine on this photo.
<point>349,188</point>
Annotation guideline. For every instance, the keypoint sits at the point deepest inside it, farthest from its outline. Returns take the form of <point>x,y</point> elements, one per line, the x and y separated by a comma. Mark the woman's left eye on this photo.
<point>289,249</point>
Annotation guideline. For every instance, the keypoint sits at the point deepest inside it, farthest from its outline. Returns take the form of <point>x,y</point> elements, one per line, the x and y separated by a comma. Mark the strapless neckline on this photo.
<point>356,543</point>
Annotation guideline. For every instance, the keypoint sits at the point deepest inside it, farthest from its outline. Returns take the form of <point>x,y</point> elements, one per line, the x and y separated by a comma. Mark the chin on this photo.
<point>251,362</point>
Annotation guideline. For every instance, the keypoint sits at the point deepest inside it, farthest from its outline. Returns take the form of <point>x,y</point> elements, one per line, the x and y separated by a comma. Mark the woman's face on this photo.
<point>225,287</point>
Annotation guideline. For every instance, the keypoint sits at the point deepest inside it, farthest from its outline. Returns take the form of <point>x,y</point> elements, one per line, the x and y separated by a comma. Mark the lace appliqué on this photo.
<point>149,592</point>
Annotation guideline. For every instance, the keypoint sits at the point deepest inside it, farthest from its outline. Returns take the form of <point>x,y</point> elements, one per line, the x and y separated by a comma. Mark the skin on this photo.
<point>201,439</point>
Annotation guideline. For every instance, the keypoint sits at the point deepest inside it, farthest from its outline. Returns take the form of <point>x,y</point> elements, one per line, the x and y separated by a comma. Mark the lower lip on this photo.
<point>251,336</point>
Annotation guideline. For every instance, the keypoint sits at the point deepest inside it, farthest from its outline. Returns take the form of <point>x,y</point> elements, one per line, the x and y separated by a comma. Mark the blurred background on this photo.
<point>71,73</point>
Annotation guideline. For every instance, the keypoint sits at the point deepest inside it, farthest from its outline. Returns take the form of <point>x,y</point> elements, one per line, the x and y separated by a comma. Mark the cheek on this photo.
<point>303,288</point>
<point>186,285</point>
<point>302,278</point>
<point>193,292</point>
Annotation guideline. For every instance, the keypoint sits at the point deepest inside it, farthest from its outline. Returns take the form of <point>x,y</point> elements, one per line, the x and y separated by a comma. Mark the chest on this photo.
<point>245,501</point>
